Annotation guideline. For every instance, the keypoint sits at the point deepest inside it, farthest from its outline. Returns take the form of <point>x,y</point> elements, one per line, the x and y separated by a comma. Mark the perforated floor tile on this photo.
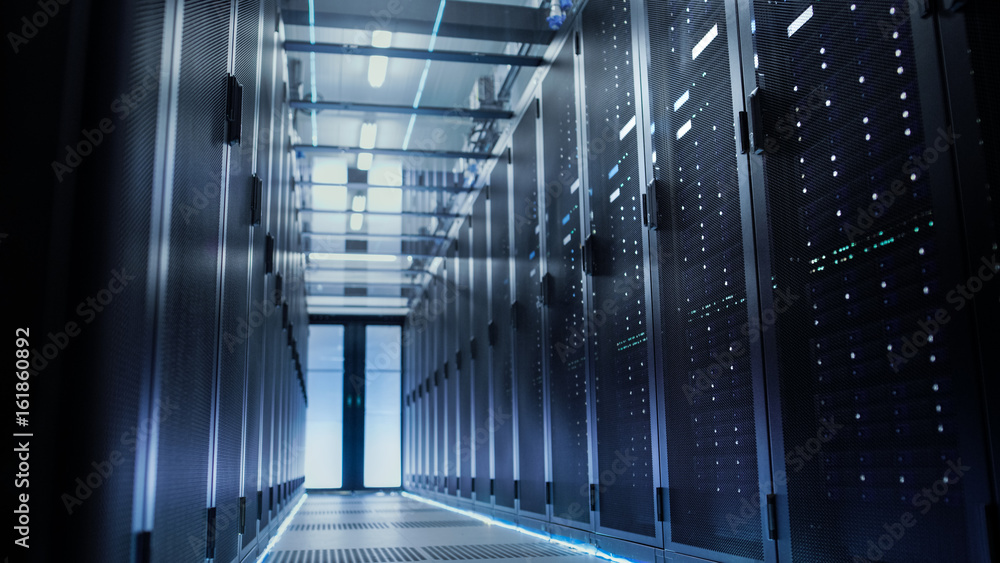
<point>388,528</point>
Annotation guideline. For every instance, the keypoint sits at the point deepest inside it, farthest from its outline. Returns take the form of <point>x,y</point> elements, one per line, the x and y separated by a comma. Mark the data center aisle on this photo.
<point>373,528</point>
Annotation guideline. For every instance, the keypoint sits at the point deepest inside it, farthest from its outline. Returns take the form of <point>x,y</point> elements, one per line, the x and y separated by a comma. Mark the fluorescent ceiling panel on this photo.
<point>329,198</point>
<point>329,170</point>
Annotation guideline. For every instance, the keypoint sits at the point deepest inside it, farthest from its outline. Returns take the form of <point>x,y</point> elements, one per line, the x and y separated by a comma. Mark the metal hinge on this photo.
<point>659,504</point>
<point>260,505</point>
<point>593,498</point>
<point>210,535</point>
<point>458,360</point>
<point>513,315</point>
<point>576,42</point>
<point>772,516</point>
<point>284,314</point>
<point>517,489</point>
<point>588,255</point>
<point>491,332</point>
<point>493,487</point>
<point>744,132</point>
<point>268,254</point>
<point>548,492</point>
<point>538,108</point>
<point>243,515</point>
<point>234,110</point>
<point>546,289</point>
<point>278,282</point>
<point>143,541</point>
<point>256,200</point>
<point>510,158</point>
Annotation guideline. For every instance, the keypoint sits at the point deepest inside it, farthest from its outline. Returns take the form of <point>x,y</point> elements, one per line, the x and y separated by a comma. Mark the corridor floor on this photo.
<point>373,528</point>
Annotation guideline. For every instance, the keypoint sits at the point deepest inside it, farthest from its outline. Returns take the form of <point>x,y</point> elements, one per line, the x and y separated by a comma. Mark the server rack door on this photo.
<point>236,255</point>
<point>423,432</point>
<point>481,383</point>
<point>432,412</point>
<point>500,334</point>
<point>857,219</point>
<point>451,290</point>
<point>441,370</point>
<point>462,360</point>
<point>526,319</point>
<point>98,245</point>
<point>626,445</point>
<point>187,346</point>
<point>569,393</point>
<point>708,365</point>
<point>972,75</point>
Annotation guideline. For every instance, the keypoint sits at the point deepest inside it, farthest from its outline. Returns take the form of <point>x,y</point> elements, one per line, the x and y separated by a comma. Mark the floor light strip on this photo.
<point>589,550</point>
<point>281,529</point>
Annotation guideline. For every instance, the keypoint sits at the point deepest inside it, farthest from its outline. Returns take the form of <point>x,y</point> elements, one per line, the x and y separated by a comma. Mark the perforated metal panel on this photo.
<point>260,303</point>
<point>482,421</point>
<point>450,349</point>
<point>442,389</point>
<point>464,268</point>
<point>527,321</point>
<point>566,331</point>
<point>865,285</point>
<point>620,351</point>
<point>711,434</point>
<point>503,389</point>
<point>234,324</point>
<point>187,345</point>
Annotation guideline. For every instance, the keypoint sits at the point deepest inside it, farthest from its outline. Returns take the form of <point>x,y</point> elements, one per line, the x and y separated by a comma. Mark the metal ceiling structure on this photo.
<point>398,106</point>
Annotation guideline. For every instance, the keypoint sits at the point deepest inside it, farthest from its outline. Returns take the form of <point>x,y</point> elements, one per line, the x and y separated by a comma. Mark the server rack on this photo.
<point>452,356</point>
<point>463,361</point>
<point>481,381</point>
<point>624,432</point>
<point>874,264</point>
<point>714,477</point>
<point>501,352</point>
<point>187,350</point>
<point>526,319</point>
<point>565,296</point>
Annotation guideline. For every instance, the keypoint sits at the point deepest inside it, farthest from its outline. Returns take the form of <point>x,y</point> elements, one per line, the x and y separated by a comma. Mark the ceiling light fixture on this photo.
<point>358,203</point>
<point>351,256</point>
<point>377,65</point>
<point>368,131</point>
<point>381,38</point>
<point>364,160</point>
